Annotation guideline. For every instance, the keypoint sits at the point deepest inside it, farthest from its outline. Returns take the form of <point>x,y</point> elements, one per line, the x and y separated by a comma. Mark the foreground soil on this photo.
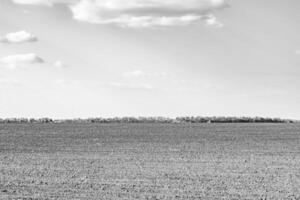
<point>149,161</point>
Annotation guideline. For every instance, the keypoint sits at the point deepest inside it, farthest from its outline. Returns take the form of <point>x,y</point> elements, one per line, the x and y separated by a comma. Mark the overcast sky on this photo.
<point>88,58</point>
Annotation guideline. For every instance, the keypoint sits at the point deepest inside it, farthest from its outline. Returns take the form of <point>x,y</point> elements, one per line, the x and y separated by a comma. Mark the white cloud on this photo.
<point>26,11</point>
<point>21,60</point>
<point>59,64</point>
<point>43,2</point>
<point>18,37</point>
<point>68,83</point>
<point>147,13</point>
<point>297,52</point>
<point>34,2</point>
<point>10,82</point>
<point>139,13</point>
<point>140,73</point>
<point>135,73</point>
<point>211,20</point>
<point>131,86</point>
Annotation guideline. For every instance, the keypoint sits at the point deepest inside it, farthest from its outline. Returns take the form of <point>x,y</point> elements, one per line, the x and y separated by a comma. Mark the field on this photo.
<point>149,161</point>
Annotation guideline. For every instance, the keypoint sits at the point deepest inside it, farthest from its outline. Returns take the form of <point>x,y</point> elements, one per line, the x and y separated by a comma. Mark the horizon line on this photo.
<point>140,119</point>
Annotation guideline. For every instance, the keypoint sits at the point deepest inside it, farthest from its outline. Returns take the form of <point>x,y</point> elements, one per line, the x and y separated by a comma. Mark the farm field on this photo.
<point>149,161</point>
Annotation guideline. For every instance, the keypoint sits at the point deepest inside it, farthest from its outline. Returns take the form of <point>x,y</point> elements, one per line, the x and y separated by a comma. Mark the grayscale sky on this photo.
<point>88,58</point>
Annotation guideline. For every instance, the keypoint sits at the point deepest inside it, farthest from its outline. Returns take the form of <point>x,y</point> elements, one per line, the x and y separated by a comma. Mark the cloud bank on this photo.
<point>140,13</point>
<point>43,2</point>
<point>146,13</point>
<point>18,37</point>
<point>13,61</point>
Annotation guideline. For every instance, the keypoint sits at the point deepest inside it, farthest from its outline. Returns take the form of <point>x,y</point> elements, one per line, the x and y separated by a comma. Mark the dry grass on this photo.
<point>150,161</point>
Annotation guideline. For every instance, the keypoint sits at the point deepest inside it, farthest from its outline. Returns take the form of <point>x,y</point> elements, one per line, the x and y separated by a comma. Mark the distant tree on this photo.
<point>186,119</point>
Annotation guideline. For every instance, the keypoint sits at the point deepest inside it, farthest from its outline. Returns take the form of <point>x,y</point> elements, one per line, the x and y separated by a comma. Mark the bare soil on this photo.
<point>149,161</point>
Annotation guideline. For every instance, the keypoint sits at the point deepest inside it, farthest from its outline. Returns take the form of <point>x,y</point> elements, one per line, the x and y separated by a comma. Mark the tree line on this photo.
<point>188,119</point>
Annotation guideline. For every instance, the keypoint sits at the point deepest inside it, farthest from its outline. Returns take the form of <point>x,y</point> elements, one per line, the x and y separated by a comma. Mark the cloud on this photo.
<point>135,73</point>
<point>59,64</point>
<point>140,73</point>
<point>297,52</point>
<point>140,13</point>
<point>211,20</point>
<point>21,60</point>
<point>131,86</point>
<point>43,2</point>
<point>34,2</point>
<point>9,82</point>
<point>68,83</point>
<point>18,37</point>
<point>26,11</point>
<point>147,13</point>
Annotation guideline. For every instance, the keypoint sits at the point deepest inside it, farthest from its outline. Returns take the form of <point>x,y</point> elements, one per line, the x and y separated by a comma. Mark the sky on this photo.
<point>106,58</point>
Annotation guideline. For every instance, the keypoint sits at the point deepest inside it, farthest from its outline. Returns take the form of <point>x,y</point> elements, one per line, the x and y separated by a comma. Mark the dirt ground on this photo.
<point>149,161</point>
